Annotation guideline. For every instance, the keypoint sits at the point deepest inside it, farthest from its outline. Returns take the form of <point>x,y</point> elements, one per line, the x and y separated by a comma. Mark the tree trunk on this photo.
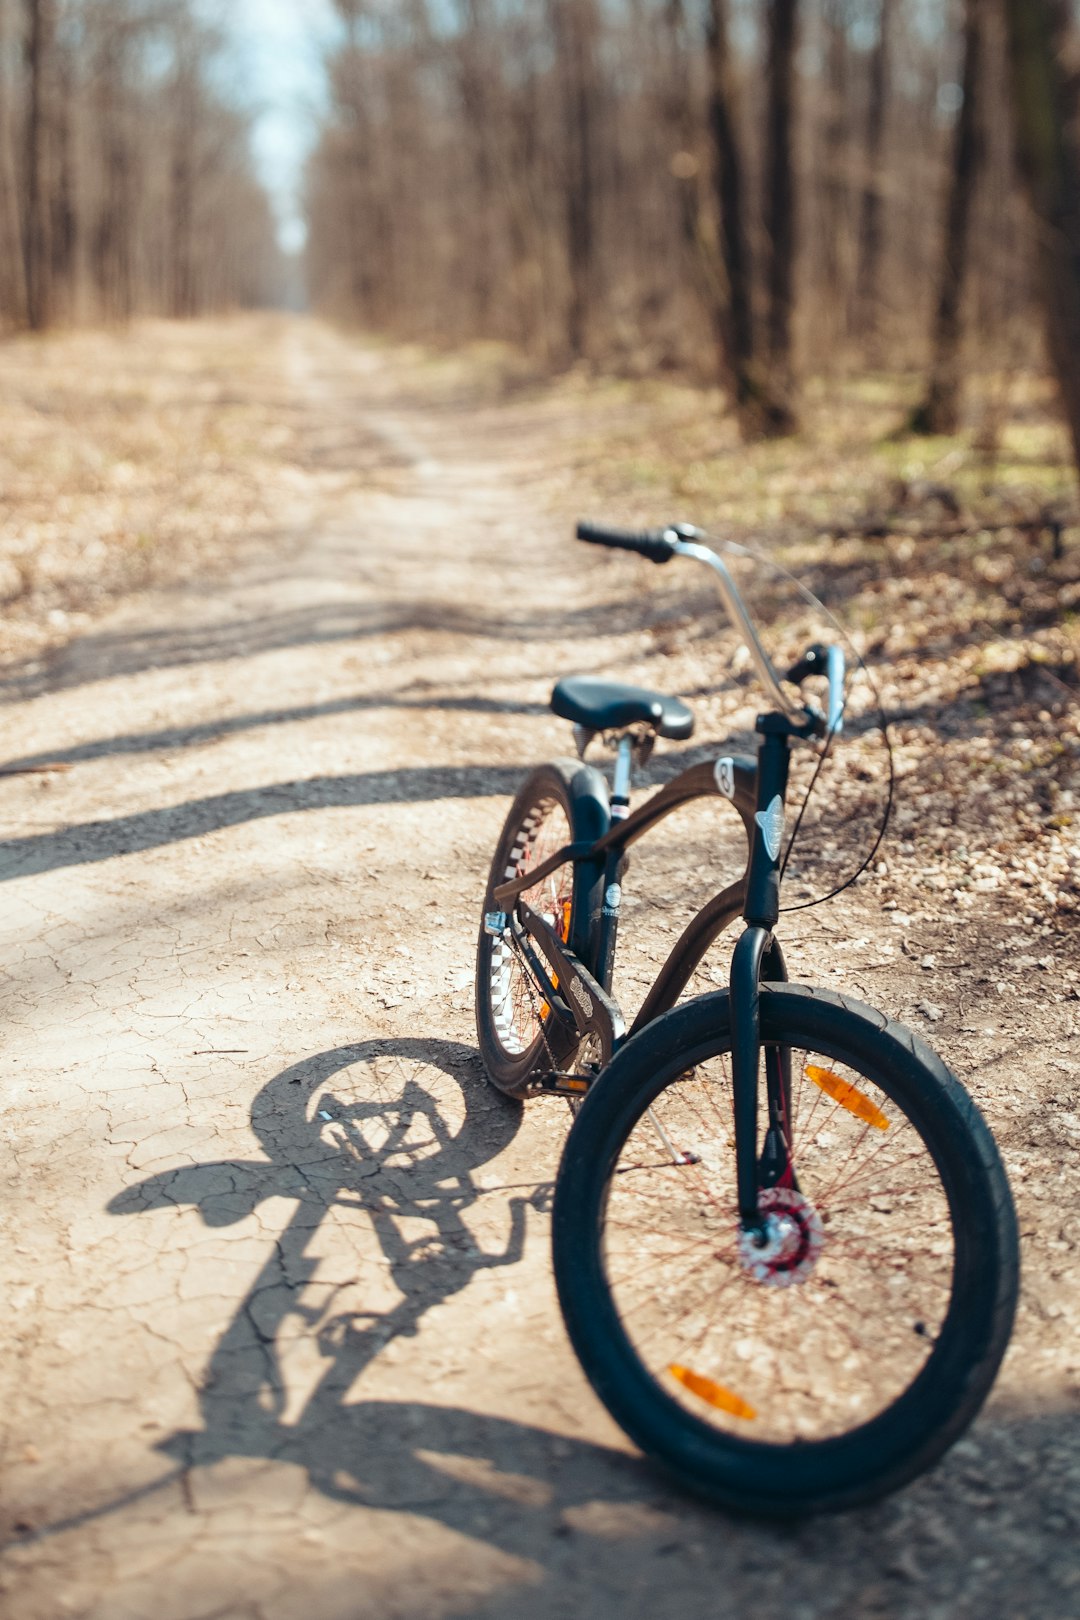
<point>112,249</point>
<point>835,145</point>
<point>867,292</point>
<point>575,25</point>
<point>63,221</point>
<point>181,269</point>
<point>476,88</point>
<point>780,189</point>
<point>12,258</point>
<point>939,412</point>
<point>38,48</point>
<point>681,124</point>
<point>757,411</point>
<point>1048,156</point>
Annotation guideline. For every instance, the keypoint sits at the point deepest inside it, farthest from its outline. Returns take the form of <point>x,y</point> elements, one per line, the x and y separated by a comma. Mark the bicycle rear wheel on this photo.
<point>557,803</point>
<point>844,1356</point>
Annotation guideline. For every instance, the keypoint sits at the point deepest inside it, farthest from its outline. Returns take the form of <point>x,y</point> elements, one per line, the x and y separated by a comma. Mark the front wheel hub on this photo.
<point>785,1248</point>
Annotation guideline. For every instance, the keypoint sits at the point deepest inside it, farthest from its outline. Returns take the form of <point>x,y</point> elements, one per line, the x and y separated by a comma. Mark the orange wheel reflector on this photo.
<point>707,1389</point>
<point>848,1096</point>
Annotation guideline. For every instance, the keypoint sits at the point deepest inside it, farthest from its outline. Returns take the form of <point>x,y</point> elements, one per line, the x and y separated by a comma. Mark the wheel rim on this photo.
<point>828,1323</point>
<point>518,1012</point>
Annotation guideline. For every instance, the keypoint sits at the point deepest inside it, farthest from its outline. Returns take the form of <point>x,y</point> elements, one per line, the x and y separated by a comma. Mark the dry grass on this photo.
<point>173,451</point>
<point>129,459</point>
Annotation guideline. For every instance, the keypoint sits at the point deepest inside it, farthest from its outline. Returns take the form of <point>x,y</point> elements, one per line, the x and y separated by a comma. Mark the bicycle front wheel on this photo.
<point>842,1357</point>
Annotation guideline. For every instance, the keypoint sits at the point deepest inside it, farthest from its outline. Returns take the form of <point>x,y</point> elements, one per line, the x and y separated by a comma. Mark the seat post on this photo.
<point>620,792</point>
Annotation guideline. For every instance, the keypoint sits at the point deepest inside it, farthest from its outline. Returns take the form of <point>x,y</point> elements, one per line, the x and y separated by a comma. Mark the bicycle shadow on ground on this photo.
<point>396,1131</point>
<point>393,1131</point>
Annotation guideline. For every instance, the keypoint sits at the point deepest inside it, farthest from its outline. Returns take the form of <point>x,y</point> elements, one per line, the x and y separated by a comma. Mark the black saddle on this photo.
<point>609,706</point>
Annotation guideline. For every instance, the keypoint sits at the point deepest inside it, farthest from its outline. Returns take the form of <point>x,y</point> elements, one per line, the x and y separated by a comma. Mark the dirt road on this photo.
<point>257,1362</point>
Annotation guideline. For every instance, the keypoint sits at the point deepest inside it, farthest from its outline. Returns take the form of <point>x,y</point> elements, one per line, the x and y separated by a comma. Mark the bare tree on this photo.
<point>780,188</point>
<point>182,161</point>
<point>939,411</point>
<point>624,179</point>
<point>477,81</point>
<point>39,45</point>
<point>12,261</point>
<point>758,409</point>
<point>1048,154</point>
<point>734,319</point>
<point>868,272</point>
<point>835,145</point>
<point>574,26</point>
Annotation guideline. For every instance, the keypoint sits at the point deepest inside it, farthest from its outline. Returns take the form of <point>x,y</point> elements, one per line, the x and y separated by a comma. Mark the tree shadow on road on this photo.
<point>106,655</point>
<point>88,842</point>
<point>171,738</point>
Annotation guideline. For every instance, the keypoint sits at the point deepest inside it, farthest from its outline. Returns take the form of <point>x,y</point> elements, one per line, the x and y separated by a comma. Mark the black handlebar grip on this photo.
<point>651,543</point>
<point>814,661</point>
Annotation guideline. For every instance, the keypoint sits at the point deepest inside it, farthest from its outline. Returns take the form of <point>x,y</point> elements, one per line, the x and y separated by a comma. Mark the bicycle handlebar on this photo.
<point>683,540</point>
<point>656,544</point>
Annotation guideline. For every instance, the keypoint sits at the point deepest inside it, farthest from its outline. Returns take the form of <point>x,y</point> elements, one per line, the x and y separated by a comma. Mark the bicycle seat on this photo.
<point>609,706</point>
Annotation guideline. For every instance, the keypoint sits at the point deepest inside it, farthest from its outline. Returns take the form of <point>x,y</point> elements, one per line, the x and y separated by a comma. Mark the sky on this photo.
<point>274,62</point>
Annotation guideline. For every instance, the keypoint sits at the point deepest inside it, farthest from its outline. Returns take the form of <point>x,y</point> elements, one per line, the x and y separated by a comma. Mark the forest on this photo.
<point>758,193</point>
<point>126,181</point>
<point>711,186</point>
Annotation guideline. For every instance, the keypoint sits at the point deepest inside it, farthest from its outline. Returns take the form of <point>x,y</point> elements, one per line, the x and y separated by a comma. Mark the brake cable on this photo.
<point>814,602</point>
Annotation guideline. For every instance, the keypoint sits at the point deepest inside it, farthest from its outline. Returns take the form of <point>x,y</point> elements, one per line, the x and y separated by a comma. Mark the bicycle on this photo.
<point>784,1242</point>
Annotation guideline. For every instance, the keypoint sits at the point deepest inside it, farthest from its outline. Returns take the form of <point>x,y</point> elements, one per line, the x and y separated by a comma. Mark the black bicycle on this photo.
<point>784,1242</point>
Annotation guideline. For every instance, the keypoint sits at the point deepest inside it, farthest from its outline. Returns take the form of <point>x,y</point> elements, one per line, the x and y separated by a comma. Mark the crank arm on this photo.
<point>560,1011</point>
<point>594,1011</point>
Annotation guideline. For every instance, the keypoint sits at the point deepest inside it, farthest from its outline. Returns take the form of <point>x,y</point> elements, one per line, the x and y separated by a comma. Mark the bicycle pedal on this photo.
<point>566,1085</point>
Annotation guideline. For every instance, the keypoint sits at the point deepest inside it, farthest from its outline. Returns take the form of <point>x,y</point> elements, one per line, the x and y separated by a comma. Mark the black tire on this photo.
<point>558,803</point>
<point>879,1356</point>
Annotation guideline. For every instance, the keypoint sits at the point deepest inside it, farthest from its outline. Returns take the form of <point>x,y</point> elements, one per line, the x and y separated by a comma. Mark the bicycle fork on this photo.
<point>757,955</point>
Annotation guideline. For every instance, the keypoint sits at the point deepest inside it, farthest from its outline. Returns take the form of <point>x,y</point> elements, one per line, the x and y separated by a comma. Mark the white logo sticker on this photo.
<point>613,897</point>
<point>771,822</point>
<point>582,997</point>
<point>724,772</point>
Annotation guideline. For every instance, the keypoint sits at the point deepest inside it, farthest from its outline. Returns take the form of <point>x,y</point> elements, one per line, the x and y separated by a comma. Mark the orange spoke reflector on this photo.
<point>848,1096</point>
<point>707,1389</point>
<point>567,906</point>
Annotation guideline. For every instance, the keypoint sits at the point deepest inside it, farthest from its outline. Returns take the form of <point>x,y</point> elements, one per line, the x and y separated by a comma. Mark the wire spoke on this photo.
<point>871,1289</point>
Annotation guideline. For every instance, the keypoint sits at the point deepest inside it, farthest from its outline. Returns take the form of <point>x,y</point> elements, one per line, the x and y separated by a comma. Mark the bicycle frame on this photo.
<point>757,791</point>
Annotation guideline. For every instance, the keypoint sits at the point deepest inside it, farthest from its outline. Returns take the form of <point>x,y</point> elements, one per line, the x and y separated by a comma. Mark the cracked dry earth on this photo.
<point>262,1360</point>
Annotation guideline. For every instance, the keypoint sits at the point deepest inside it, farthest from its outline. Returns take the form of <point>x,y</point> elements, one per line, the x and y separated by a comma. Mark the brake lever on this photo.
<point>830,662</point>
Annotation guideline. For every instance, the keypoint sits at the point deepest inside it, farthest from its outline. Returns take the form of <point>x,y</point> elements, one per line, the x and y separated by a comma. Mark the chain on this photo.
<point>573,1103</point>
<point>527,974</point>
